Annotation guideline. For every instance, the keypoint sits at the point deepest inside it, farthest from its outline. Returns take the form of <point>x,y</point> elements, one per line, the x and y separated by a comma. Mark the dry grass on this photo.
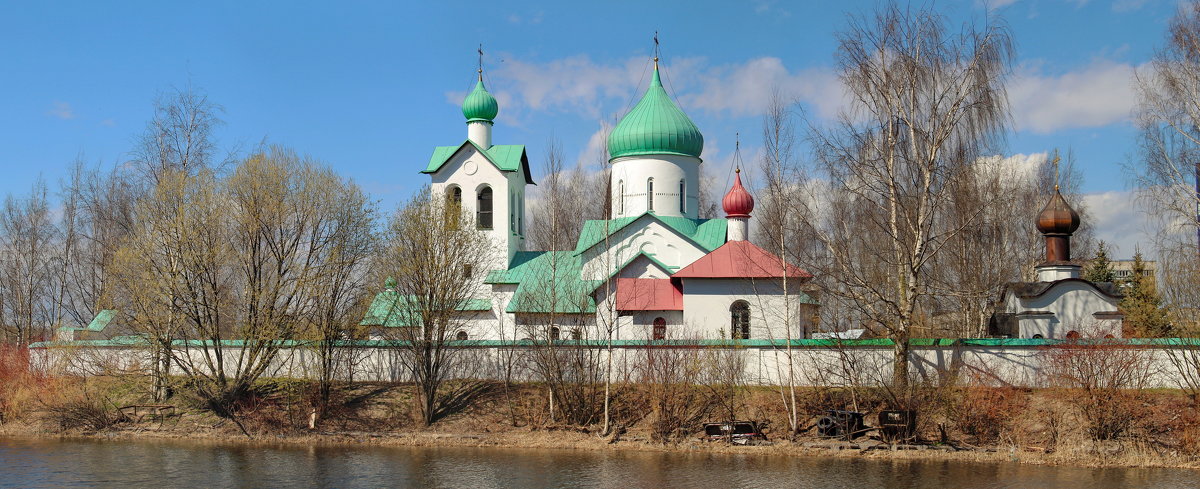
<point>977,423</point>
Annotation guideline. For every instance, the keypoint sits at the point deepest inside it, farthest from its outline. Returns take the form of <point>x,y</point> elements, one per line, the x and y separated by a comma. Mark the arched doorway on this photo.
<point>660,329</point>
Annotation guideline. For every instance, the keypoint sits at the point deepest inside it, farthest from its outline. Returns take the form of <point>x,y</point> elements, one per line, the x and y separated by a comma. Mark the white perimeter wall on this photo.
<point>991,365</point>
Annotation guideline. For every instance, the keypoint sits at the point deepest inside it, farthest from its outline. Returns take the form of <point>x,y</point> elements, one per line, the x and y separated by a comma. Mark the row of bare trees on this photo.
<point>909,223</point>
<point>55,244</point>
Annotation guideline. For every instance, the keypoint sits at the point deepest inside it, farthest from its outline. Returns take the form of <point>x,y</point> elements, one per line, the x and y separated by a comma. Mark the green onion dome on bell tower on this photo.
<point>479,104</point>
<point>655,126</point>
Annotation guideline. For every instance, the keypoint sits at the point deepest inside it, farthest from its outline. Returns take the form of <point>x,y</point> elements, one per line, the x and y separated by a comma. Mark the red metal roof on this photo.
<point>648,294</point>
<point>739,259</point>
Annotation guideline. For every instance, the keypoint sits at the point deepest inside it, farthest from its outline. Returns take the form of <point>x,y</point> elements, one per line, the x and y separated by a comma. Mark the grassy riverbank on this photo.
<point>968,424</point>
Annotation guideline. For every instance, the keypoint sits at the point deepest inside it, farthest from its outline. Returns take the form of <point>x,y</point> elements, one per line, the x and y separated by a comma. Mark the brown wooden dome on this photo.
<point>1057,217</point>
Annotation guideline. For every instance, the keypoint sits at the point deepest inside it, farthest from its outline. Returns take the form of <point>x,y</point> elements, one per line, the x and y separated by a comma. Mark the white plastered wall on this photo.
<point>706,305</point>
<point>667,170</point>
<point>1071,306</point>
<point>644,236</point>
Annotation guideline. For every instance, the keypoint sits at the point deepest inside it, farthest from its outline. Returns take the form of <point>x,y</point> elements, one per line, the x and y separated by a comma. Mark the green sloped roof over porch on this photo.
<point>708,234</point>
<point>547,282</point>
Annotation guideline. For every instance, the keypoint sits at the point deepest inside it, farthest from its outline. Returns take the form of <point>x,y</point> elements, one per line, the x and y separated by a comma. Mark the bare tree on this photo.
<point>98,208</point>
<point>568,197</point>
<point>781,177</point>
<point>28,265</point>
<point>671,377</point>
<point>1168,168</point>
<point>998,200</point>
<point>179,137</point>
<point>221,271</point>
<point>926,102</point>
<point>346,241</point>
<point>431,260</point>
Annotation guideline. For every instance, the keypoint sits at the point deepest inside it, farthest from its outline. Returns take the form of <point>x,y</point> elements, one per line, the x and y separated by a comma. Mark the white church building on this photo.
<point>655,270</point>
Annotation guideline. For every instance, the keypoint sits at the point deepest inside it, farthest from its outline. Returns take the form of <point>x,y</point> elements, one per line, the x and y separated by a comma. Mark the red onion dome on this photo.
<point>738,202</point>
<point>1057,217</point>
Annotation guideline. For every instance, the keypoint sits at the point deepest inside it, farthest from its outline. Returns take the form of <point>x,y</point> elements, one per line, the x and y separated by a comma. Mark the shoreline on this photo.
<point>565,440</point>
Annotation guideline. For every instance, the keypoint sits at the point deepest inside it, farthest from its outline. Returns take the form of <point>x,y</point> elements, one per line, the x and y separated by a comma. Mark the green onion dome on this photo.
<point>655,126</point>
<point>480,105</point>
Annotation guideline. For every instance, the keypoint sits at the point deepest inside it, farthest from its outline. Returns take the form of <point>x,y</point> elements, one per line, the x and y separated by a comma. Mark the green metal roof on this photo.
<point>708,234</point>
<point>547,282</point>
<point>516,269</point>
<point>97,324</point>
<point>655,126</point>
<point>480,105</point>
<point>506,157</point>
<point>391,310</point>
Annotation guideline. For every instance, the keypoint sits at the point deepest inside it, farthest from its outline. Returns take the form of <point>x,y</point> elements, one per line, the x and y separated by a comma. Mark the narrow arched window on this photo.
<point>682,197</point>
<point>621,197</point>
<point>649,194</point>
<point>554,333</point>
<point>739,314</point>
<point>453,206</point>
<point>521,214</point>
<point>512,213</point>
<point>660,329</point>
<point>483,208</point>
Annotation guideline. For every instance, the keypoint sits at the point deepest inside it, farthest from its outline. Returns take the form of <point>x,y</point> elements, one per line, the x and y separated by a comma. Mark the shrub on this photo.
<point>1104,381</point>
<point>86,413</point>
<point>984,413</point>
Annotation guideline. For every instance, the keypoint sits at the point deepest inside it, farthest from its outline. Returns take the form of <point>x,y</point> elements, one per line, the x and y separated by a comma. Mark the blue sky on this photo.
<point>371,87</point>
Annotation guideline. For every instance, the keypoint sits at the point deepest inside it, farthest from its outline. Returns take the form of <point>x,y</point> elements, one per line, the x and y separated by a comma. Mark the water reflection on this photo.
<point>159,465</point>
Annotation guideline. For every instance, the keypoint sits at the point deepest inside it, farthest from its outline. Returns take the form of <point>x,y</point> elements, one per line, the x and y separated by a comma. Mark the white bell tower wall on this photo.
<point>470,172</point>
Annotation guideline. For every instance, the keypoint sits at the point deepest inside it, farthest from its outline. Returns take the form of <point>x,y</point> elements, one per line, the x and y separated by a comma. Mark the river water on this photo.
<point>159,465</point>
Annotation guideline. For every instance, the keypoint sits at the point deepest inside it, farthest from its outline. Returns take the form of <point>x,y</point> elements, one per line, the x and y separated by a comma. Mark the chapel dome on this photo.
<point>738,202</point>
<point>1057,217</point>
<point>655,126</point>
<point>480,105</point>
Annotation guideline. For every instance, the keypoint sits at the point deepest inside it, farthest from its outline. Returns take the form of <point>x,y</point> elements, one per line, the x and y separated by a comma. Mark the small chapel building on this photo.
<point>655,270</point>
<point>1059,304</point>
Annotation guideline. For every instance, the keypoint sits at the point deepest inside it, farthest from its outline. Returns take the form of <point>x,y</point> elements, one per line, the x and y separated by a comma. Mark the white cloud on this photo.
<point>1120,222</point>
<point>1128,5</point>
<point>572,84</point>
<point>1019,166</point>
<point>996,4</point>
<point>595,149</point>
<point>580,85</point>
<point>535,18</point>
<point>61,110</point>
<point>1097,95</point>
<point>771,7</point>
<point>745,89</point>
